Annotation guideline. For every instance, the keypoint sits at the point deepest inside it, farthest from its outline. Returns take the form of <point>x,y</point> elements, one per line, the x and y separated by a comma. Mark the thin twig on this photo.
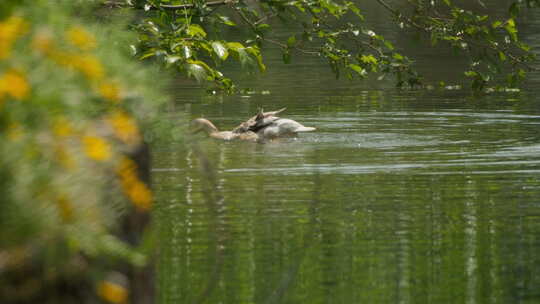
<point>388,7</point>
<point>282,45</point>
<point>266,17</point>
<point>191,5</point>
<point>117,4</point>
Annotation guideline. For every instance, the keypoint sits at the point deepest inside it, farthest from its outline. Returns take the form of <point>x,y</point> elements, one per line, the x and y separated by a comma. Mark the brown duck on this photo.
<point>262,127</point>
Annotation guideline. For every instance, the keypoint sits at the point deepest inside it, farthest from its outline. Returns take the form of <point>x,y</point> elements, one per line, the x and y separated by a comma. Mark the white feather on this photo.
<point>284,127</point>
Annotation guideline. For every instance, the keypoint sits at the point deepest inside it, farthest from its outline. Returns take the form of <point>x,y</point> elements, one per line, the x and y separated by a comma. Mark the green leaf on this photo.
<point>355,10</point>
<point>187,51</point>
<point>197,71</point>
<point>225,20</point>
<point>358,69</point>
<point>196,30</point>
<point>148,54</point>
<point>235,46</point>
<point>244,58</point>
<point>521,73</point>
<point>220,50</point>
<point>389,45</point>
<point>369,59</point>
<point>471,74</point>
<point>451,38</point>
<point>511,29</point>
<point>291,41</point>
<point>262,27</point>
<point>398,56</point>
<point>471,30</point>
<point>502,56</point>
<point>205,45</point>
<point>299,6</point>
<point>172,59</point>
<point>286,57</point>
<point>511,23</point>
<point>524,46</point>
<point>255,52</point>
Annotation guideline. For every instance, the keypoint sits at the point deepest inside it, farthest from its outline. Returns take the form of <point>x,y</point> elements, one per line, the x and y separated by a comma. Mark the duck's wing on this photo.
<point>257,121</point>
<point>284,126</point>
<point>303,128</point>
<point>273,113</point>
<point>263,122</point>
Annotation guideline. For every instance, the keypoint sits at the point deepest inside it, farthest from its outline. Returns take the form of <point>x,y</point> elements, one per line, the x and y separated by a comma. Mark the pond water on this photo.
<point>400,196</point>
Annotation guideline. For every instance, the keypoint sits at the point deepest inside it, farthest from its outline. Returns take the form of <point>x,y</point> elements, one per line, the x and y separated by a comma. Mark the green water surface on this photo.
<point>400,196</point>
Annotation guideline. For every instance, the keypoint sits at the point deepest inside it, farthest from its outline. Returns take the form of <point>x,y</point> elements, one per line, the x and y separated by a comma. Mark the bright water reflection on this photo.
<point>398,197</point>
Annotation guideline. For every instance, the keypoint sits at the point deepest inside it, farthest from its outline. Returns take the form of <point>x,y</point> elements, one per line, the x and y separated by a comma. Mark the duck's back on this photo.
<point>284,127</point>
<point>229,135</point>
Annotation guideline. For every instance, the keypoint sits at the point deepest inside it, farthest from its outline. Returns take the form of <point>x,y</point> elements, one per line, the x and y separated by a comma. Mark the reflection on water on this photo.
<point>398,197</point>
<point>397,204</point>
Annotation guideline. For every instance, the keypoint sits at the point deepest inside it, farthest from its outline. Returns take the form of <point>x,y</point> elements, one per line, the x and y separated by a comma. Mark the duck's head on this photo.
<point>201,124</point>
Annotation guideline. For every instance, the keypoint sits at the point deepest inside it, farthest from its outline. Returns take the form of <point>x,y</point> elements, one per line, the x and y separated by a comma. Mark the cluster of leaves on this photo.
<point>189,36</point>
<point>180,40</point>
<point>71,104</point>
<point>490,42</point>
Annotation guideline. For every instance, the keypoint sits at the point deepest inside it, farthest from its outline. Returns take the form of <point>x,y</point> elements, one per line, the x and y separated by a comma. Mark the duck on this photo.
<point>260,128</point>
<point>269,126</point>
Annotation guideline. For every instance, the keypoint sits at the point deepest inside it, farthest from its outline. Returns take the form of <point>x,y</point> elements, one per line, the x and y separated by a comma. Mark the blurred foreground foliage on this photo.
<point>72,107</point>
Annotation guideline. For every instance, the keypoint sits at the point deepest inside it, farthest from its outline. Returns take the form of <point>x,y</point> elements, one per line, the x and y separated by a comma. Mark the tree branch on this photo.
<point>118,4</point>
<point>388,7</point>
<point>191,5</point>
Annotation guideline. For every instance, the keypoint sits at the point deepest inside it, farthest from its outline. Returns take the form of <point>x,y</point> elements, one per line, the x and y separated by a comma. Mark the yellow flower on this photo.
<point>65,207</point>
<point>96,148</point>
<point>124,127</point>
<point>62,127</point>
<point>10,30</point>
<point>89,65</point>
<point>80,38</point>
<point>137,191</point>
<point>14,84</point>
<point>140,195</point>
<point>112,292</point>
<point>110,91</point>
